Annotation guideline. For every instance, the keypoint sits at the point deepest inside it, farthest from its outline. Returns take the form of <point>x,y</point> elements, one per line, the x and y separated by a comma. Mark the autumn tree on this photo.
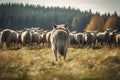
<point>111,22</point>
<point>118,24</point>
<point>96,23</point>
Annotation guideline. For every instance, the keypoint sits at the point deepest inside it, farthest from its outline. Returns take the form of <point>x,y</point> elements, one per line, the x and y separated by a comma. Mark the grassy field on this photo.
<point>81,64</point>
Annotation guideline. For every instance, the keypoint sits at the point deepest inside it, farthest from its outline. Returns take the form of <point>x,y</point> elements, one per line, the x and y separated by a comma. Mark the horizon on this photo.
<point>94,5</point>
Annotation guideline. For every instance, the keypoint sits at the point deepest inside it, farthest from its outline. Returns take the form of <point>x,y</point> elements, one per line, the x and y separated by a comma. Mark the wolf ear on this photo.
<point>66,26</point>
<point>54,26</point>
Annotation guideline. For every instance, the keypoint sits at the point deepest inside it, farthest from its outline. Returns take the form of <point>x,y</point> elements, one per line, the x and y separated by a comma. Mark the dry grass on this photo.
<point>81,64</point>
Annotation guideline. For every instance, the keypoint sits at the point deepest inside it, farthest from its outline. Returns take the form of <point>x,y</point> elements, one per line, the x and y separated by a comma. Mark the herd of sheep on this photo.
<point>58,39</point>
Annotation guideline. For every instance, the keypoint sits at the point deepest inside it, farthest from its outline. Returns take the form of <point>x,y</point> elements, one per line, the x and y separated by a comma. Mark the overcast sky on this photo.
<point>101,6</point>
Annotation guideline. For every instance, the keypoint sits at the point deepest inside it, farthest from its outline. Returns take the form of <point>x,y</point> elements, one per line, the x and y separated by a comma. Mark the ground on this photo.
<point>81,64</point>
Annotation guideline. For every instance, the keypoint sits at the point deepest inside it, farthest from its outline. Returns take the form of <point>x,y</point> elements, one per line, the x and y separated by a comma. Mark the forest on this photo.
<point>19,16</point>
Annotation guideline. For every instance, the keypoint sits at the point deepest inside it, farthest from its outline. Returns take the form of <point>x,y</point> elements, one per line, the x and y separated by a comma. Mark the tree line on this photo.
<point>19,16</point>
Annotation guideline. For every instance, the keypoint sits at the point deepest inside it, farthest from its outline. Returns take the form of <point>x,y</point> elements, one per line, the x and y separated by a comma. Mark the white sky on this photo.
<point>101,6</point>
